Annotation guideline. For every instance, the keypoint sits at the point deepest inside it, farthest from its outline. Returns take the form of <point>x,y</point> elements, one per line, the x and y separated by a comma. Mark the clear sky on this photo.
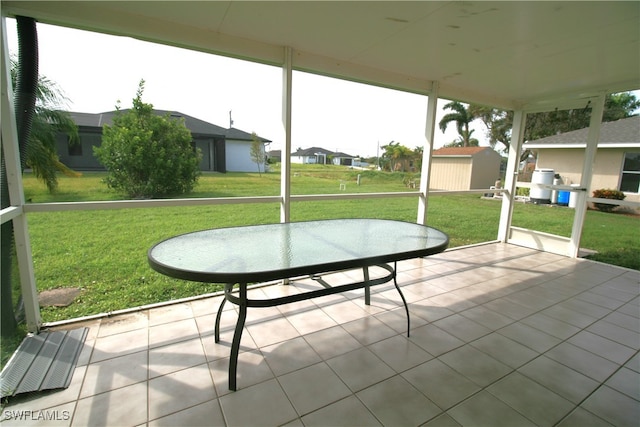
<point>95,71</point>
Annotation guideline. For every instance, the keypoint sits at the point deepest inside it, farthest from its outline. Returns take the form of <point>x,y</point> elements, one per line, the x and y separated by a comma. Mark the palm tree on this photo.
<point>396,155</point>
<point>48,121</point>
<point>465,138</point>
<point>462,116</point>
<point>41,156</point>
<point>539,125</point>
<point>418,152</point>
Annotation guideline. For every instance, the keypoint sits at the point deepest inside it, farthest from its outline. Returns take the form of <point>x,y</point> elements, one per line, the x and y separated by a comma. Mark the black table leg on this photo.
<point>237,335</point>
<point>242,301</point>
<point>367,288</point>
<point>404,301</point>
<point>216,335</point>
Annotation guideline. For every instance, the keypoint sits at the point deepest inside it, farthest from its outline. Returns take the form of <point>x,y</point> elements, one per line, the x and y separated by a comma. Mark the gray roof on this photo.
<point>460,151</point>
<point>341,154</point>
<point>237,134</point>
<point>620,133</point>
<point>88,119</point>
<point>318,150</point>
<point>195,125</point>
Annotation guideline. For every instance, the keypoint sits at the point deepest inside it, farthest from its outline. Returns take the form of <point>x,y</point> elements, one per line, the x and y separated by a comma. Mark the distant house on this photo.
<point>464,168</point>
<point>275,156</point>
<point>223,150</point>
<point>340,158</point>
<point>317,155</point>
<point>617,160</point>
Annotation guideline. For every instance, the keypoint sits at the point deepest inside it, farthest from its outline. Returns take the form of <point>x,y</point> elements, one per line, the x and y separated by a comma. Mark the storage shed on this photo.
<point>464,168</point>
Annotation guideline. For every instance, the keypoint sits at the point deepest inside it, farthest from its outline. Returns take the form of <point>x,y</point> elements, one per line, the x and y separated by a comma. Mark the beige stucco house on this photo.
<point>464,168</point>
<point>617,159</point>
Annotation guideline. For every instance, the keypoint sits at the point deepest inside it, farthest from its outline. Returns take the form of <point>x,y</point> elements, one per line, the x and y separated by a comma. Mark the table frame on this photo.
<point>176,267</point>
<point>243,302</point>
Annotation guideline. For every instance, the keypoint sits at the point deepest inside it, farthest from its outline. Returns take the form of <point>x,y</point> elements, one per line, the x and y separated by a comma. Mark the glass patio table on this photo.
<point>260,253</point>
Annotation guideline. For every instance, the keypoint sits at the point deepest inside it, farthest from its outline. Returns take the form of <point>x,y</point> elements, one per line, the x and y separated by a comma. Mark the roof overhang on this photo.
<point>514,55</point>
<point>452,155</point>
<point>635,145</point>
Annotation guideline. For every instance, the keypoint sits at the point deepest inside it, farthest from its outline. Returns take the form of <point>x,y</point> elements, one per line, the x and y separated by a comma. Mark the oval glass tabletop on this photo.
<point>278,251</point>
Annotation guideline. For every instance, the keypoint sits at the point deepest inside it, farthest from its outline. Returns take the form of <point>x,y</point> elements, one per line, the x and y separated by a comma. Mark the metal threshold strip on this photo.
<point>43,362</point>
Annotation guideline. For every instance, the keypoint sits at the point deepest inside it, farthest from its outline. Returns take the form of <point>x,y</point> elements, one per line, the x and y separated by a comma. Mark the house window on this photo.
<point>630,181</point>
<point>74,148</point>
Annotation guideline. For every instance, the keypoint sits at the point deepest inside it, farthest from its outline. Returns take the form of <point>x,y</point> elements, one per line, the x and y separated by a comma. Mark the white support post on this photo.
<point>508,196</point>
<point>432,107</point>
<point>587,173</point>
<point>11,151</point>
<point>285,162</point>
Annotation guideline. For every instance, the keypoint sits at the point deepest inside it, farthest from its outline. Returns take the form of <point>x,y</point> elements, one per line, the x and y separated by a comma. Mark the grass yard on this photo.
<point>104,252</point>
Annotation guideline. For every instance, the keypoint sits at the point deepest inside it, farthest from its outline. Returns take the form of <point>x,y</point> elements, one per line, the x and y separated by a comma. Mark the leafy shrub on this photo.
<point>147,155</point>
<point>606,193</point>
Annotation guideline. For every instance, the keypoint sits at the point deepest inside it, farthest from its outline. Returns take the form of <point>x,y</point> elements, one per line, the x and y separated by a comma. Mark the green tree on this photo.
<point>48,122</point>
<point>147,155</point>
<point>462,116</point>
<point>619,106</point>
<point>464,137</point>
<point>418,153</point>
<point>396,156</point>
<point>539,125</point>
<point>257,152</point>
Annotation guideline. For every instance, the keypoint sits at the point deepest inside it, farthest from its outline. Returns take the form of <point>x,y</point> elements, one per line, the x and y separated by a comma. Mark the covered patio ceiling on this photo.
<point>513,55</point>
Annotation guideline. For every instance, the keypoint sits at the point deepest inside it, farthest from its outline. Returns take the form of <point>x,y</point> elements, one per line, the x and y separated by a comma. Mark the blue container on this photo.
<point>563,197</point>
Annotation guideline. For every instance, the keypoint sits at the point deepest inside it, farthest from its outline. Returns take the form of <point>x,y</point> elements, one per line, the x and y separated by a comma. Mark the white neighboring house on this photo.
<point>317,155</point>
<point>238,151</point>
<point>340,158</point>
<point>617,160</point>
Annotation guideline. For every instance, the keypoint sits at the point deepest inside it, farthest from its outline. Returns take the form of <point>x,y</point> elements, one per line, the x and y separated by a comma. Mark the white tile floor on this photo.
<point>500,335</point>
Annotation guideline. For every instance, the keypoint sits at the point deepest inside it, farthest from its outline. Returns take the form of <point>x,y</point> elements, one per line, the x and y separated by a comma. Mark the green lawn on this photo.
<point>104,252</point>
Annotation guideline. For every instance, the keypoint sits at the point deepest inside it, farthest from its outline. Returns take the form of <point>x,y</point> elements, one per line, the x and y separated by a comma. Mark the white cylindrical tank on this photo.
<point>557,180</point>
<point>573,197</point>
<point>541,195</point>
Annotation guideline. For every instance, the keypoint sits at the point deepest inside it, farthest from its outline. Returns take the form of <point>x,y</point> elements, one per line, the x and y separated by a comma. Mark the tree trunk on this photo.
<point>25,101</point>
<point>8,322</point>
